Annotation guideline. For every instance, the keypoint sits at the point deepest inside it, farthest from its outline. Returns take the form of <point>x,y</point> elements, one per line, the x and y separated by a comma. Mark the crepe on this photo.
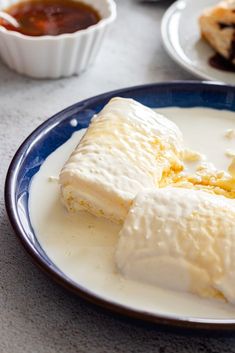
<point>127,147</point>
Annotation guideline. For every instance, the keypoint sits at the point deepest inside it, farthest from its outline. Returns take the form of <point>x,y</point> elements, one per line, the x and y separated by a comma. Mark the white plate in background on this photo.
<point>182,40</point>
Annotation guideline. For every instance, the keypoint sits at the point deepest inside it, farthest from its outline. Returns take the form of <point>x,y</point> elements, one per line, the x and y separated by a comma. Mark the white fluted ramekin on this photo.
<point>55,56</point>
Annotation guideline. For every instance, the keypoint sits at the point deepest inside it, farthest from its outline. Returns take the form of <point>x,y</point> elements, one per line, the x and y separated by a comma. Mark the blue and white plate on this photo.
<point>58,129</point>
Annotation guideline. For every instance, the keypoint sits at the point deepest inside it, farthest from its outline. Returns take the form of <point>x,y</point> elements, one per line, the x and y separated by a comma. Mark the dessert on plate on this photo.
<point>126,148</point>
<point>178,228</point>
<point>217,26</point>
<point>180,239</point>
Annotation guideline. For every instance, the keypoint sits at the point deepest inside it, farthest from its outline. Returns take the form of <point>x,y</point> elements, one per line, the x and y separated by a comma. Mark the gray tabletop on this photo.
<point>36,315</point>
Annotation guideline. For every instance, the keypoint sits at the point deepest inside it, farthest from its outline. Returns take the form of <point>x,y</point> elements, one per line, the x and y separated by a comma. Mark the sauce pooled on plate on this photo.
<point>51,17</point>
<point>218,62</point>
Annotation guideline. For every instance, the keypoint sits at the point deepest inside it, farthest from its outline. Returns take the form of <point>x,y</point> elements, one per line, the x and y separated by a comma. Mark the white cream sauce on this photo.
<point>83,246</point>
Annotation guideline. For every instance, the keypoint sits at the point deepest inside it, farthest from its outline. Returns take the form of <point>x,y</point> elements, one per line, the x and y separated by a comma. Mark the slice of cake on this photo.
<point>127,147</point>
<point>217,26</point>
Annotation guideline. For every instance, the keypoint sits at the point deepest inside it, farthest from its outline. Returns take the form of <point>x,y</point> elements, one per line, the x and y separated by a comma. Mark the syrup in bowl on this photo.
<point>50,17</point>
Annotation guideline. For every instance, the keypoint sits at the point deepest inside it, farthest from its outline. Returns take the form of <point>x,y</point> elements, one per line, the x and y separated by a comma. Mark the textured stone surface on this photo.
<point>36,315</point>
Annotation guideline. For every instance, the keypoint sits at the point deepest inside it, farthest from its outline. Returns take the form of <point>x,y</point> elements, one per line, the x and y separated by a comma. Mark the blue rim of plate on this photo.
<point>178,93</point>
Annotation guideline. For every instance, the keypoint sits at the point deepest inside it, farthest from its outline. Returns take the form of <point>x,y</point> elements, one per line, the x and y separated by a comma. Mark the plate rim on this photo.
<point>59,276</point>
<point>169,47</point>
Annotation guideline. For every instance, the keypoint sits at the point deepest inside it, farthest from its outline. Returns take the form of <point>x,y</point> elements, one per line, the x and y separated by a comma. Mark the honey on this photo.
<point>51,17</point>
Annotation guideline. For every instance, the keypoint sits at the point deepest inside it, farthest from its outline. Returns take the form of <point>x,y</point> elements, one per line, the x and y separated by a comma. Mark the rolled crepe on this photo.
<point>180,239</point>
<point>127,147</point>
